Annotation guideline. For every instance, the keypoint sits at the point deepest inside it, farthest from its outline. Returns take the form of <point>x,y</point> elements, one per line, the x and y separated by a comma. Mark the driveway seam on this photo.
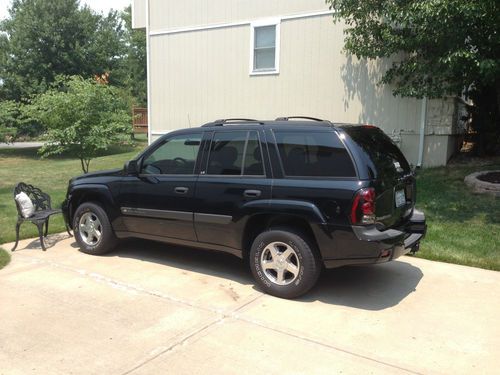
<point>124,286</point>
<point>326,345</point>
<point>175,344</point>
<point>222,317</point>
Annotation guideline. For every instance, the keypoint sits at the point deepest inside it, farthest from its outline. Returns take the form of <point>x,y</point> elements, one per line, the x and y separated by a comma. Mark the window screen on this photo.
<point>264,48</point>
<point>235,153</point>
<point>313,154</point>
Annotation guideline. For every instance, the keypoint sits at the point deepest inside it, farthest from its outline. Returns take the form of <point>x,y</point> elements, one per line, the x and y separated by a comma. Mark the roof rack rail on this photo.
<point>299,118</point>
<point>222,122</point>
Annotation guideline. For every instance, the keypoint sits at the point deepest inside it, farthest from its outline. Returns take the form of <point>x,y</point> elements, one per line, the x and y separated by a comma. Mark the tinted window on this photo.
<point>176,156</point>
<point>313,154</point>
<point>235,153</point>
<point>385,155</point>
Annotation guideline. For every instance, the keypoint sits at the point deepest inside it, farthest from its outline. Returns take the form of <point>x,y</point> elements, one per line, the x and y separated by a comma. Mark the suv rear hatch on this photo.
<point>394,181</point>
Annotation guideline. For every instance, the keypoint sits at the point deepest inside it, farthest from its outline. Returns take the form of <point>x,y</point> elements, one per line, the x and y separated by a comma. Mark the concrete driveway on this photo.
<point>156,309</point>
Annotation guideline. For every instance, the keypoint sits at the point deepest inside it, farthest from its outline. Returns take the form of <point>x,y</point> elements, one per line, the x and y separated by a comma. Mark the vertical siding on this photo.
<point>139,14</point>
<point>203,75</point>
<point>171,14</point>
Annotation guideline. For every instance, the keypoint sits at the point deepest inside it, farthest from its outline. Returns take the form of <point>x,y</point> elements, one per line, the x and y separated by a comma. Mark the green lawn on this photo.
<point>51,175</point>
<point>4,258</point>
<point>464,228</point>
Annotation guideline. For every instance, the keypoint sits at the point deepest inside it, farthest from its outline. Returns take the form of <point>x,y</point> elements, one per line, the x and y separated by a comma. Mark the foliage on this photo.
<point>50,174</point>
<point>9,112</point>
<point>439,47</point>
<point>4,258</point>
<point>82,118</point>
<point>134,63</point>
<point>42,39</point>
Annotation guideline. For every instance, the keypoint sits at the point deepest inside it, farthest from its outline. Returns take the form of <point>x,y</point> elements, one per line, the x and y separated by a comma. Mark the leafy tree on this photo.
<point>9,112</point>
<point>439,47</point>
<point>42,39</point>
<point>134,63</point>
<point>82,118</point>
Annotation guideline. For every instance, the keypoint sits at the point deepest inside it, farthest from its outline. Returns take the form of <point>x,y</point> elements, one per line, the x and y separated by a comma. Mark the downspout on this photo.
<point>423,116</point>
<point>148,71</point>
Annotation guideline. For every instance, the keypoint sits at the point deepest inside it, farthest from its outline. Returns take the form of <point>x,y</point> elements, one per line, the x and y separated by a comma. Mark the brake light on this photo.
<point>363,207</point>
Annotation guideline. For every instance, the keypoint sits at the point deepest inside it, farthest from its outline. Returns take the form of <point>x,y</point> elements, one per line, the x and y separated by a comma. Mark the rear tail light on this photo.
<point>363,207</point>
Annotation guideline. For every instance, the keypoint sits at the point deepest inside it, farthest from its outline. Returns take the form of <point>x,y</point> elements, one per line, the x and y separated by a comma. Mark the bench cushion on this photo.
<point>25,203</point>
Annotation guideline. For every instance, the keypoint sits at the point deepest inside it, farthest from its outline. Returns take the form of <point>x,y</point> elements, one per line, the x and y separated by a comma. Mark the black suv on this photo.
<point>290,196</point>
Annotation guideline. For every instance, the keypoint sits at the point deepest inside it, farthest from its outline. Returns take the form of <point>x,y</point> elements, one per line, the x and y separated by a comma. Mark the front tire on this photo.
<point>284,263</point>
<point>92,229</point>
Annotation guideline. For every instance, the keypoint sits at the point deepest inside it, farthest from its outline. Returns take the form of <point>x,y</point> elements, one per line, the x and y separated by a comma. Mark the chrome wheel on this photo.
<point>280,263</point>
<point>90,229</point>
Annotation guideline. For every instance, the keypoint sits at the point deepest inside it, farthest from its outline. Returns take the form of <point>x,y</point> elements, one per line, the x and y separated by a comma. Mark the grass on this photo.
<point>4,258</point>
<point>51,175</point>
<point>463,228</point>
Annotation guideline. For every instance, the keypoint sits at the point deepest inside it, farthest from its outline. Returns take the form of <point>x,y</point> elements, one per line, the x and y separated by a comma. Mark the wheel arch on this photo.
<point>262,222</point>
<point>99,194</point>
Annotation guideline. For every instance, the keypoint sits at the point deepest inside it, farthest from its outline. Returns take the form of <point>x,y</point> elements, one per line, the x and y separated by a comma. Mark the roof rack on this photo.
<point>299,118</point>
<point>304,118</point>
<point>222,122</point>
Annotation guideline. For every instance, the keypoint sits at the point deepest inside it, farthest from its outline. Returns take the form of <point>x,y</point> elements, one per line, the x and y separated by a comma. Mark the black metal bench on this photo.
<point>42,214</point>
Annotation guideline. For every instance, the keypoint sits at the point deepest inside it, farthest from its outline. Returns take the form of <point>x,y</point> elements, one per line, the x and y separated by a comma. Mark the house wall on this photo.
<point>138,14</point>
<point>200,75</point>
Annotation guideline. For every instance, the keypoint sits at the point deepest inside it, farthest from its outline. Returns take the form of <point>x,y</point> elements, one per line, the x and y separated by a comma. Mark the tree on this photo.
<point>9,111</point>
<point>439,47</point>
<point>82,118</point>
<point>42,39</point>
<point>134,63</point>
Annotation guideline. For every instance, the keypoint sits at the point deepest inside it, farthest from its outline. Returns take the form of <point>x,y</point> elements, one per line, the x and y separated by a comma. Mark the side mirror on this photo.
<point>131,168</point>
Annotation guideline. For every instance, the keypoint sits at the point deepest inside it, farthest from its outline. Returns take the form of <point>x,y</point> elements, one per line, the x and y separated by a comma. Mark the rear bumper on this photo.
<point>386,245</point>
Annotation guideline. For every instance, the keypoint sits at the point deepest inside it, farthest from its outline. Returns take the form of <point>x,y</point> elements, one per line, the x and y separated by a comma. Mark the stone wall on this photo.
<point>442,117</point>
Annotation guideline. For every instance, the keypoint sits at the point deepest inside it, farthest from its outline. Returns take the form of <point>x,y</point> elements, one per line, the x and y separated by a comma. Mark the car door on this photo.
<point>233,175</point>
<point>159,200</point>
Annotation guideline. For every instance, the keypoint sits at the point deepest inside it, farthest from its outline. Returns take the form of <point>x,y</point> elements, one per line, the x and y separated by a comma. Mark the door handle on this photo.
<point>252,193</point>
<point>181,190</point>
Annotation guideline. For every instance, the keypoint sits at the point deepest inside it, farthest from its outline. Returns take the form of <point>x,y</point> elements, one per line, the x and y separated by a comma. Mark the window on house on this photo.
<point>265,48</point>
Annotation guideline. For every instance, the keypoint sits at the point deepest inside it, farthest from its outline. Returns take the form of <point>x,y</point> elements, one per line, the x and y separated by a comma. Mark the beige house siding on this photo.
<point>201,75</point>
<point>172,14</point>
<point>138,14</point>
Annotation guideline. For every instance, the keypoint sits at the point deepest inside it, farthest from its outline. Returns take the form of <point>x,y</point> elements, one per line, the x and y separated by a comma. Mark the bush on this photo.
<point>9,112</point>
<point>82,117</point>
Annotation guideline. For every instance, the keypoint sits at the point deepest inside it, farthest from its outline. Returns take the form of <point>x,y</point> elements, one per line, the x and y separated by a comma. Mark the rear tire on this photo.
<point>284,263</point>
<point>92,229</point>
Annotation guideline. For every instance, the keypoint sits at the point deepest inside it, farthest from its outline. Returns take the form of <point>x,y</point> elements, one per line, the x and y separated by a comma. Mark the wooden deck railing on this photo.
<point>140,120</point>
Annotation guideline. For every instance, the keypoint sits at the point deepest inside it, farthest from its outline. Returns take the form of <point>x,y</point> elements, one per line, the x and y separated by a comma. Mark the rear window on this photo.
<point>313,154</point>
<point>385,155</point>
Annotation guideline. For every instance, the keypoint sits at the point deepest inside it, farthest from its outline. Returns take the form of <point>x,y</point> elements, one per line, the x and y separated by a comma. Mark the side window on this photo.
<point>313,154</point>
<point>235,153</point>
<point>176,156</point>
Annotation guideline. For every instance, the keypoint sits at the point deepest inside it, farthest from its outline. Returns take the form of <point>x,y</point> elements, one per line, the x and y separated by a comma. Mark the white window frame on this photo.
<point>268,22</point>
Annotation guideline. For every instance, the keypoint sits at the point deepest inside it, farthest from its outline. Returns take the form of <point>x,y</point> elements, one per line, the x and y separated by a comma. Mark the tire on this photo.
<point>284,263</point>
<point>86,235</point>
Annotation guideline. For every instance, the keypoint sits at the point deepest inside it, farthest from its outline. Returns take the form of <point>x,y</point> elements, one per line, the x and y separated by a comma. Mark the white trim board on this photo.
<point>238,23</point>
<point>277,39</point>
<point>148,72</point>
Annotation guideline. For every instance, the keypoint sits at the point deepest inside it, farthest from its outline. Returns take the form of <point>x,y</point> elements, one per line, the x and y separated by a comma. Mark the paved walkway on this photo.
<point>155,309</point>
<point>21,145</point>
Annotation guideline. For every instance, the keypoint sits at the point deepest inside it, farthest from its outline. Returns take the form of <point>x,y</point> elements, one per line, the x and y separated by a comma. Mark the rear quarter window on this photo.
<point>313,154</point>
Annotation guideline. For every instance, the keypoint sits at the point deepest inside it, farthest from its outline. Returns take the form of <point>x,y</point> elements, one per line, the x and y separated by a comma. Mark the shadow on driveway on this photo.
<point>374,287</point>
